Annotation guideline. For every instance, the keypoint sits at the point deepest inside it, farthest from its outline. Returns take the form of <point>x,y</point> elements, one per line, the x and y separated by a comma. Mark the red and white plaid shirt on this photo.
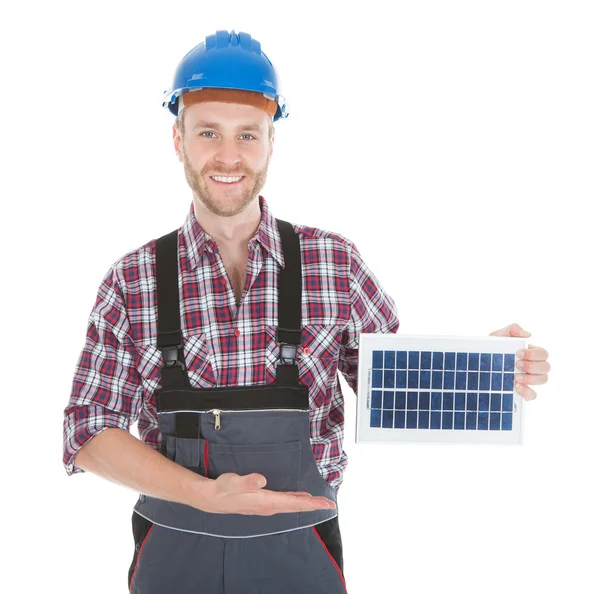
<point>119,367</point>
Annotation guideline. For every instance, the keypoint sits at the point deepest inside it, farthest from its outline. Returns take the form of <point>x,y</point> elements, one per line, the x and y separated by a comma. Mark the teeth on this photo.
<point>227,180</point>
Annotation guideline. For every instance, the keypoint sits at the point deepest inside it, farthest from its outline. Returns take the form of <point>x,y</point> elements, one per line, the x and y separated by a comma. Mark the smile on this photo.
<point>226,180</point>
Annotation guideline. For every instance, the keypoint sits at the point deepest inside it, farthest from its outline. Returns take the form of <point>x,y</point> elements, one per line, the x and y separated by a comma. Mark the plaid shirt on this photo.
<point>119,367</point>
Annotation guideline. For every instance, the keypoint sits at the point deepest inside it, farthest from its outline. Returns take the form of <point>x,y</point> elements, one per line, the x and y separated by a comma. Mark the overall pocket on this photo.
<point>187,452</point>
<point>183,450</point>
<point>279,463</point>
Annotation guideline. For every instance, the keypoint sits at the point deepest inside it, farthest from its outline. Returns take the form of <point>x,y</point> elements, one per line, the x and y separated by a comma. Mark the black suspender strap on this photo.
<point>290,305</point>
<point>170,338</point>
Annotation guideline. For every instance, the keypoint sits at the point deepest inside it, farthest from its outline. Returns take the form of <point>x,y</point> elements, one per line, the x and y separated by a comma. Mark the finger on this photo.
<point>529,379</point>
<point>254,481</point>
<point>288,503</point>
<point>315,502</point>
<point>283,499</point>
<point>533,353</point>
<point>300,494</point>
<point>534,367</point>
<point>511,330</point>
<point>526,392</point>
<point>309,503</point>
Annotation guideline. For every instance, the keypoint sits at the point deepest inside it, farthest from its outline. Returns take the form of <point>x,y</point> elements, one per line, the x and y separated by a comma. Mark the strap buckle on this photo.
<point>287,353</point>
<point>173,356</point>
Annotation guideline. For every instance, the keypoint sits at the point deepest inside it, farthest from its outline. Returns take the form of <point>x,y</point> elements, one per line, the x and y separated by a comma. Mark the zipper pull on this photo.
<point>217,414</point>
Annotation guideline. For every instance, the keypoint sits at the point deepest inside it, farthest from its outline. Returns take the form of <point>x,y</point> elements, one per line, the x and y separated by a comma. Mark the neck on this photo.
<point>238,229</point>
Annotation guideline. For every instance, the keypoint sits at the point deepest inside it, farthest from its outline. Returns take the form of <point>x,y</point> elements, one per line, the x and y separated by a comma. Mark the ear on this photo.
<point>177,142</point>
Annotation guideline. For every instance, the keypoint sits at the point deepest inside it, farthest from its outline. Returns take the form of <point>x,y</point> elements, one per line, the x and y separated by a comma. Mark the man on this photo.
<point>223,340</point>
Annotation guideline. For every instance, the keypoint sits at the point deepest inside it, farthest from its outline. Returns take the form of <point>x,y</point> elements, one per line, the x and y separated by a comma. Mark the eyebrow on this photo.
<point>203,124</point>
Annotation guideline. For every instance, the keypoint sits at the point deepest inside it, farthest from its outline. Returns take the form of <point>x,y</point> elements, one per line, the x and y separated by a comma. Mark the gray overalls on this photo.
<point>242,429</point>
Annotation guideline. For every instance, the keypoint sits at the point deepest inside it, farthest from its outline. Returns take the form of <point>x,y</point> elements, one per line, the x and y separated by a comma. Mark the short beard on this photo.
<point>202,193</point>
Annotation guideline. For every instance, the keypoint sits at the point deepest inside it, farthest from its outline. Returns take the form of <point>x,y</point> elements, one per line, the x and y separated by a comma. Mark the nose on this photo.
<point>228,153</point>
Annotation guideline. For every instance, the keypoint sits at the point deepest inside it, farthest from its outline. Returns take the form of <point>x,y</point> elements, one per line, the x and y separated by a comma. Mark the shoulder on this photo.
<point>315,235</point>
<point>126,275</point>
<point>126,293</point>
<point>335,247</point>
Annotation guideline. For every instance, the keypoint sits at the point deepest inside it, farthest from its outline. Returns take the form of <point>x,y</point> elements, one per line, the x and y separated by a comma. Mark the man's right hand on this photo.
<point>118,456</point>
<point>232,493</point>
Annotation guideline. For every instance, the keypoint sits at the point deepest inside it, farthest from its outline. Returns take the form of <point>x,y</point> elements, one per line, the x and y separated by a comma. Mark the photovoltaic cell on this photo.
<point>443,381</point>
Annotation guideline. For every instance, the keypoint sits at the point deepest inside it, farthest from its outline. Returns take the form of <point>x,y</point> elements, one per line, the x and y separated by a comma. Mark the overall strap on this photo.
<point>170,337</point>
<point>290,305</point>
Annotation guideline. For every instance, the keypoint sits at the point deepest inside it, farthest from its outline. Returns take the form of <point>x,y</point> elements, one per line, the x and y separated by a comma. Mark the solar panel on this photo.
<point>438,389</point>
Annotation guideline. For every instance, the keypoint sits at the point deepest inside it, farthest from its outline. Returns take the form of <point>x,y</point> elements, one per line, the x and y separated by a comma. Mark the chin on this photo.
<point>224,208</point>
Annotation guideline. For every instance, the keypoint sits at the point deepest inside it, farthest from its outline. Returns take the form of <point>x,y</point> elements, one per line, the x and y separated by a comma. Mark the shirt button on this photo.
<point>223,280</point>
<point>306,351</point>
<point>237,332</point>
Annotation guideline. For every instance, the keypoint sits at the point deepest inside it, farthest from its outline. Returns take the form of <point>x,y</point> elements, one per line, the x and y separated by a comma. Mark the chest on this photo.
<point>235,262</point>
<point>225,343</point>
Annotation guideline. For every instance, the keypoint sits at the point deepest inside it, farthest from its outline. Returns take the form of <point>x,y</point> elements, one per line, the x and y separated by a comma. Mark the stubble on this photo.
<point>221,201</point>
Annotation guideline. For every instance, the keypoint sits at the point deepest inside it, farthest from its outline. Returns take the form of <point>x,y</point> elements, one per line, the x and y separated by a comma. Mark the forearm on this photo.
<point>118,456</point>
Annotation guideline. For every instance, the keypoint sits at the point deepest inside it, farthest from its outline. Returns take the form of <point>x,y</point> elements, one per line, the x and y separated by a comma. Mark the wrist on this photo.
<point>201,494</point>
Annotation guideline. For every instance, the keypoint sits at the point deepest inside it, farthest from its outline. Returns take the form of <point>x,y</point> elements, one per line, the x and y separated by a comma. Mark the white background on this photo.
<point>456,143</point>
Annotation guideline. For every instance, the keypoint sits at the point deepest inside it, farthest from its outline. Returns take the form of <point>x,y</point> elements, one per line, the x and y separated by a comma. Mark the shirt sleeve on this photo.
<point>107,390</point>
<point>372,311</point>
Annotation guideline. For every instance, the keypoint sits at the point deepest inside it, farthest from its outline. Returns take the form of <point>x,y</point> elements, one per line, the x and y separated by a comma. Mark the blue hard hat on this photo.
<point>226,61</point>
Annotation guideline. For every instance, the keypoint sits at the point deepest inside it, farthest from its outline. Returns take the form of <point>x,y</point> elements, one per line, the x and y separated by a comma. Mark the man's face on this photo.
<point>229,140</point>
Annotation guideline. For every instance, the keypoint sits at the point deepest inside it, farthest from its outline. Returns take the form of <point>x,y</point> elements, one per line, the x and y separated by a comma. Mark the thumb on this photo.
<point>513,330</point>
<point>256,481</point>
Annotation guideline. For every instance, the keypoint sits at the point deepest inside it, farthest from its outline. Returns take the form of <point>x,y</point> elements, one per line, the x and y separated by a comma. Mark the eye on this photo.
<point>250,135</point>
<point>206,132</point>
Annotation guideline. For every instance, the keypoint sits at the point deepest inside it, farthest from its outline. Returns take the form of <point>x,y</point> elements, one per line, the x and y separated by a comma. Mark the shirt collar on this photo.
<point>197,240</point>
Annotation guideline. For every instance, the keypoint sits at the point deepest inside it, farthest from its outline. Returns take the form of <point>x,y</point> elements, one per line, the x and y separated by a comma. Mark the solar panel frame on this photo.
<point>434,388</point>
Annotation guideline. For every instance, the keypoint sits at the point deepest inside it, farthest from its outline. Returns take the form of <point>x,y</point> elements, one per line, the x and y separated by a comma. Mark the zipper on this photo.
<point>217,413</point>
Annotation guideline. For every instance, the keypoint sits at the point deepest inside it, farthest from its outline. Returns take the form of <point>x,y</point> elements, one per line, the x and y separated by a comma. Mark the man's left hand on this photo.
<point>533,362</point>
